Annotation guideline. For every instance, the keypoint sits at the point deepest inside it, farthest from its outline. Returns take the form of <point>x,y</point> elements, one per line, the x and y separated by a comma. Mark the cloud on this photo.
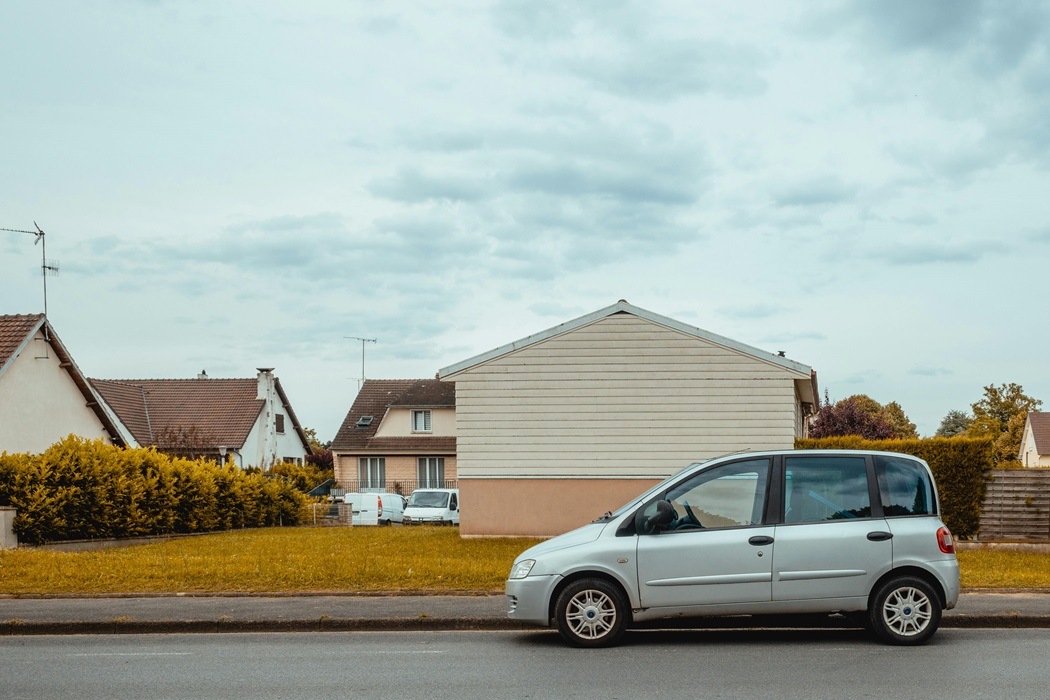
<point>411,185</point>
<point>753,311</point>
<point>816,192</point>
<point>792,337</point>
<point>950,252</point>
<point>930,371</point>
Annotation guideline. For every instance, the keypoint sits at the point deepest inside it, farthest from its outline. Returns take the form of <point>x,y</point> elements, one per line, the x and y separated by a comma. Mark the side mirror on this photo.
<point>663,515</point>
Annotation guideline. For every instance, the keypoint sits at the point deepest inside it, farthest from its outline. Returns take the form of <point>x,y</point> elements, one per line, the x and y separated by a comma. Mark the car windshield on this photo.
<point>429,499</point>
<point>607,516</point>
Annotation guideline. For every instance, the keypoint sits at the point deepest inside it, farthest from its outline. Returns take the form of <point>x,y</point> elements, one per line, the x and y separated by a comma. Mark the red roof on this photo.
<point>376,396</point>
<point>207,412</point>
<point>14,330</point>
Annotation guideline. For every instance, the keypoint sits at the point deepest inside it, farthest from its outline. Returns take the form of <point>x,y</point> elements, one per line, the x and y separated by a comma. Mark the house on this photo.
<point>248,421</point>
<point>399,435</point>
<point>1035,440</point>
<point>44,396</point>
<point>556,428</point>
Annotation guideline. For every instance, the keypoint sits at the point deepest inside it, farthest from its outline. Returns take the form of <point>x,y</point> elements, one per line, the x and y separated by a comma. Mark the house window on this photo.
<point>279,421</point>
<point>430,472</point>
<point>371,472</point>
<point>421,421</point>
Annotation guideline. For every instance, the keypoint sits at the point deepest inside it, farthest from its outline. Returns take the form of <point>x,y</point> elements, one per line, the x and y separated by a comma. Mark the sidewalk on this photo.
<point>312,613</point>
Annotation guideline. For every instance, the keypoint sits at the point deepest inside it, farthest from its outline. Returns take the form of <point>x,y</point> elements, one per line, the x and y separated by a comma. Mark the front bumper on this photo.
<point>528,599</point>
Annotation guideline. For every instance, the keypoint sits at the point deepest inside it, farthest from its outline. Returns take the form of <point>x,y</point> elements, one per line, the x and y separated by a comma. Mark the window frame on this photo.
<point>278,423</point>
<point>428,420</point>
<point>777,506</point>
<point>364,472</point>
<point>423,465</point>
<point>883,487</point>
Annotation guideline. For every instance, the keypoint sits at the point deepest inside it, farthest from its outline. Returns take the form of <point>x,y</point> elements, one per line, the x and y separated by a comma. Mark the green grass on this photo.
<point>273,560</point>
<point>294,560</point>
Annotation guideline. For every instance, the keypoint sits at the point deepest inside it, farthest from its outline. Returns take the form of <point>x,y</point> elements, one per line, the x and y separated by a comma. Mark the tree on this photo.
<point>315,444</point>
<point>848,417</point>
<point>891,415</point>
<point>992,413</point>
<point>954,423</point>
<point>1008,445</point>
<point>903,428</point>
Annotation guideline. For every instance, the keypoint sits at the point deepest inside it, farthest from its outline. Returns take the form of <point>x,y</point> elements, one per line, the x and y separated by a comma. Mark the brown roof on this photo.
<point>376,396</point>
<point>163,412</point>
<point>18,329</point>
<point>1040,422</point>
<point>14,331</point>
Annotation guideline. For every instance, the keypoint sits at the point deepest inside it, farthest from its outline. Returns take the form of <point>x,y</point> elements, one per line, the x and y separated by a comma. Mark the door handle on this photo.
<point>760,540</point>
<point>880,536</point>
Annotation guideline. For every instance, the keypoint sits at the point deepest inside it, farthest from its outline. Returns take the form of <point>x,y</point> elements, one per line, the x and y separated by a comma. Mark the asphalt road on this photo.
<point>958,663</point>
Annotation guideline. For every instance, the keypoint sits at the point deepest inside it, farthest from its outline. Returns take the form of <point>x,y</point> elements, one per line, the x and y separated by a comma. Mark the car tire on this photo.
<point>905,611</point>
<point>591,612</point>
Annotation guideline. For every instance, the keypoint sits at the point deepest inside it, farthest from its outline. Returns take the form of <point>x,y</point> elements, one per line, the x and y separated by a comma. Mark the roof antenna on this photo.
<point>361,381</point>
<point>47,267</point>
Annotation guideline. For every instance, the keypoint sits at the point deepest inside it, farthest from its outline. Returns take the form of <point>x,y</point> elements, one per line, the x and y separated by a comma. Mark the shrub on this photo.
<point>960,466</point>
<point>85,489</point>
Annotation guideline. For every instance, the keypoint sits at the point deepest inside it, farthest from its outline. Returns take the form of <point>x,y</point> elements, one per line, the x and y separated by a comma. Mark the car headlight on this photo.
<point>522,568</point>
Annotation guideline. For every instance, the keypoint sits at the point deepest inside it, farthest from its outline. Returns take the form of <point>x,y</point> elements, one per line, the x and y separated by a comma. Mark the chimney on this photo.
<point>265,380</point>
<point>202,375</point>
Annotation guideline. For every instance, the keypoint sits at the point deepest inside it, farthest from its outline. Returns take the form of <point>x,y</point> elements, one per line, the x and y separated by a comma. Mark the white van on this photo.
<point>439,506</point>
<point>375,508</point>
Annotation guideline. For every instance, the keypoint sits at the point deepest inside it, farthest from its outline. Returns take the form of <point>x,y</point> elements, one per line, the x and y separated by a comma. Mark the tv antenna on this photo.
<point>47,267</point>
<point>361,381</point>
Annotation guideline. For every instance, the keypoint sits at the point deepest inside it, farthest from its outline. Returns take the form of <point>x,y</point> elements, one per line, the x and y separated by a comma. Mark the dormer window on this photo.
<point>421,421</point>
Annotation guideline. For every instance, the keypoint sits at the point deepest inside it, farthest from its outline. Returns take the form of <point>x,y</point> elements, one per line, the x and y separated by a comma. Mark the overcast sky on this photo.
<point>232,185</point>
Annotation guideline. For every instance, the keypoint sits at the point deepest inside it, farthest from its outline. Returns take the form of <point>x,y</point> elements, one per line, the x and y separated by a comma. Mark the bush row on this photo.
<point>960,466</point>
<point>85,489</point>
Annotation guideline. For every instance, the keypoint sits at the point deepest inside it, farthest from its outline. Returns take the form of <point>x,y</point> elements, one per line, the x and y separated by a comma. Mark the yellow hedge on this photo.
<point>86,489</point>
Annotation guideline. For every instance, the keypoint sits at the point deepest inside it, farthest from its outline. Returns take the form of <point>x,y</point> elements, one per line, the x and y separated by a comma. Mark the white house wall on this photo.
<point>40,404</point>
<point>620,397</point>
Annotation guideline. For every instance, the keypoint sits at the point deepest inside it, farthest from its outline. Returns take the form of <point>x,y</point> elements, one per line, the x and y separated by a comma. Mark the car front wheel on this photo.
<point>905,611</point>
<point>591,613</point>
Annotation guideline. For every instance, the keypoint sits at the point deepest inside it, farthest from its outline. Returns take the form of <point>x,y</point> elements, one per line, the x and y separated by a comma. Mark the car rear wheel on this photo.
<point>591,613</point>
<point>905,611</point>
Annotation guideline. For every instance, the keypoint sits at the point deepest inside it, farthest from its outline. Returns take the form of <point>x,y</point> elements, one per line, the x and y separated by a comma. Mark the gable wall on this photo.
<point>621,397</point>
<point>40,404</point>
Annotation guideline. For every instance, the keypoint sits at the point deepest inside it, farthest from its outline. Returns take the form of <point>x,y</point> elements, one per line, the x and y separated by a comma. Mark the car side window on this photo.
<point>825,488</point>
<point>732,495</point>
<point>905,487</point>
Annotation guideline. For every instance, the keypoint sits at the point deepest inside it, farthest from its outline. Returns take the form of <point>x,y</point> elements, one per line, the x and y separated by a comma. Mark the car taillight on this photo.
<point>945,541</point>
<point>380,499</point>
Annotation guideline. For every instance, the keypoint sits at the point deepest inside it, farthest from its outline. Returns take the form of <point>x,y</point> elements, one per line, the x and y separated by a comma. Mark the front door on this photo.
<point>716,550</point>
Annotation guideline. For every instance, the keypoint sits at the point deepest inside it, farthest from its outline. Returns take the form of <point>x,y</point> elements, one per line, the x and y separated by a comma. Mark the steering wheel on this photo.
<point>690,519</point>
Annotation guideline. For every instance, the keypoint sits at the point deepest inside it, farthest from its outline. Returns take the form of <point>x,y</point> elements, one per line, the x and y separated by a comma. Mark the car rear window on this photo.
<point>825,488</point>
<point>905,487</point>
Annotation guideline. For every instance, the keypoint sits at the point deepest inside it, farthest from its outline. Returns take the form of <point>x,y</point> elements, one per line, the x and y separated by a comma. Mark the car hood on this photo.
<point>582,535</point>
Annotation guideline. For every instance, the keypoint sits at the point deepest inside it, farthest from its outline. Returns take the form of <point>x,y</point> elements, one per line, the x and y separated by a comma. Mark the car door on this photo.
<point>829,545</point>
<point>717,550</point>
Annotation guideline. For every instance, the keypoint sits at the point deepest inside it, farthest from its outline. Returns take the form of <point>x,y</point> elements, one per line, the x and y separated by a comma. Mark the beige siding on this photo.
<point>621,397</point>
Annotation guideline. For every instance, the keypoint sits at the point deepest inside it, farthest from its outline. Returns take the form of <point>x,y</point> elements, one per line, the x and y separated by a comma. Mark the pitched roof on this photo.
<point>212,411</point>
<point>18,330</point>
<point>376,397</point>
<point>1040,425</point>
<point>806,378</point>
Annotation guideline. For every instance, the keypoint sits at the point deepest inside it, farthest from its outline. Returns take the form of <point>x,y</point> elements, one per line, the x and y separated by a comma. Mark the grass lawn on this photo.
<point>349,559</point>
<point>272,560</point>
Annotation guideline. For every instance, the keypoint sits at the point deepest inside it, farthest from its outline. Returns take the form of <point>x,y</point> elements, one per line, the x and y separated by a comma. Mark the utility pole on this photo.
<point>46,266</point>
<point>361,381</point>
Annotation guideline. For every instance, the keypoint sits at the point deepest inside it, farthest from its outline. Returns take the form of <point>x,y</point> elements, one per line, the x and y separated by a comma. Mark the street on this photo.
<point>465,665</point>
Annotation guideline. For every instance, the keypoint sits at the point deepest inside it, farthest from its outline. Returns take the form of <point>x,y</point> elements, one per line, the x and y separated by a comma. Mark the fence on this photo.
<point>1017,505</point>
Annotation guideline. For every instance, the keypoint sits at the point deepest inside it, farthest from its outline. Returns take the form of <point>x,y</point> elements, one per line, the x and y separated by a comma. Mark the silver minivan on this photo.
<point>796,531</point>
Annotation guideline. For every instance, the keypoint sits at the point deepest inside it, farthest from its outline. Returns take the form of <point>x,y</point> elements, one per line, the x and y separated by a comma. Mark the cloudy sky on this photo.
<point>230,185</point>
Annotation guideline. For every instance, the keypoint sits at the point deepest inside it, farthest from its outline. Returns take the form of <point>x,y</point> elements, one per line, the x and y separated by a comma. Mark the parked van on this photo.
<point>375,508</point>
<point>437,506</point>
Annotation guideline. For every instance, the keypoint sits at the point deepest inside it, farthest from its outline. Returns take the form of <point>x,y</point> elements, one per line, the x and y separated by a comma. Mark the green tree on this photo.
<point>315,444</point>
<point>954,423</point>
<point>895,416</point>
<point>992,414</point>
<point>1008,444</point>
